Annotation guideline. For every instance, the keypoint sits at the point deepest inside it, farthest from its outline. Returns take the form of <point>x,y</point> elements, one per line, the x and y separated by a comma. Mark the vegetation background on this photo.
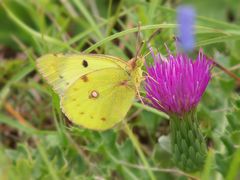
<point>37,142</point>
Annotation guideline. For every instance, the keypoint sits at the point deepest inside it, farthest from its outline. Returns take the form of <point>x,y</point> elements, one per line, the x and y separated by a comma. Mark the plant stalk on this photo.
<point>139,150</point>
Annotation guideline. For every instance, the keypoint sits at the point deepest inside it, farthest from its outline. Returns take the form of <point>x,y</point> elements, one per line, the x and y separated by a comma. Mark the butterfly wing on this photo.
<point>100,99</point>
<point>61,71</point>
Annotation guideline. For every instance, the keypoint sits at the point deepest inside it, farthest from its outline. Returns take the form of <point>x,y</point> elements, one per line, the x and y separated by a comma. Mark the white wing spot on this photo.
<point>94,94</point>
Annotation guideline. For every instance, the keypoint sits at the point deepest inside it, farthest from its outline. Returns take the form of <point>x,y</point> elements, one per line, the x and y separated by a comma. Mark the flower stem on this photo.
<point>139,150</point>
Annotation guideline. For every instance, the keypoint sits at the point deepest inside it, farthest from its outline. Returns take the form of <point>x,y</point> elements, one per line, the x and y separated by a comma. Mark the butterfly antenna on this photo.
<point>145,55</point>
<point>139,44</point>
<point>156,32</point>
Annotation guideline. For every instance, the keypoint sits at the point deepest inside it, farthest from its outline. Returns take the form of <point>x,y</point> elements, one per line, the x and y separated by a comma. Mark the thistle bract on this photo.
<point>175,85</point>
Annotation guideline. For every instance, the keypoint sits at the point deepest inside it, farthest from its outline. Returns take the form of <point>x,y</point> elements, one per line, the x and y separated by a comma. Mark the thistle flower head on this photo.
<point>176,84</point>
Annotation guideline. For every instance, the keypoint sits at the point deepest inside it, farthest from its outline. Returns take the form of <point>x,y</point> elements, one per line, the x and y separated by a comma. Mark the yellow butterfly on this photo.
<point>96,91</point>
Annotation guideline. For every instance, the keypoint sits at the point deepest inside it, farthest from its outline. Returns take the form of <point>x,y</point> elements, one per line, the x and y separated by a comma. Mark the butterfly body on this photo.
<point>96,91</point>
<point>136,70</point>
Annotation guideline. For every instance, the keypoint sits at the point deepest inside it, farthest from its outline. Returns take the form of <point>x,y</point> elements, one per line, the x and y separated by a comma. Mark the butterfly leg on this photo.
<point>139,95</point>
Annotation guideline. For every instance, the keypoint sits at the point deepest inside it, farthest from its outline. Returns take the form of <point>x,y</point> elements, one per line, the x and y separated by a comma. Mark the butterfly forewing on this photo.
<point>61,71</point>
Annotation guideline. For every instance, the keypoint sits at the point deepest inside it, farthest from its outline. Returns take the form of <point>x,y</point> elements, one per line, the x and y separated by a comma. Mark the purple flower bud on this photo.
<point>186,22</point>
<point>176,84</point>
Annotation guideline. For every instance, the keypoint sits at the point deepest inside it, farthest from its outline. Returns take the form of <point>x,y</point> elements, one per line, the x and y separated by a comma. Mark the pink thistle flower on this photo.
<point>176,84</point>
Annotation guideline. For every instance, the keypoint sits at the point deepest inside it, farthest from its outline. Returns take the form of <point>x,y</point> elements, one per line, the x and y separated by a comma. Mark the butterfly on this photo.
<point>96,91</point>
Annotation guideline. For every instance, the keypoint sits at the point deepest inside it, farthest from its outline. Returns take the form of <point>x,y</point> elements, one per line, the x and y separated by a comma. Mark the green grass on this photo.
<point>46,146</point>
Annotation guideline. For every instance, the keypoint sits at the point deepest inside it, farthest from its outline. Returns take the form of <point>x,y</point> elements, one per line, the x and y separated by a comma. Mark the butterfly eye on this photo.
<point>85,63</point>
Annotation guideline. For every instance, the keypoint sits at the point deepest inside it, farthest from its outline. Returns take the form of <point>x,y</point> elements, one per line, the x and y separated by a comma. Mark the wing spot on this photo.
<point>91,117</point>
<point>81,113</point>
<point>124,83</point>
<point>103,119</point>
<point>60,76</point>
<point>94,94</point>
<point>85,63</point>
<point>84,78</point>
<point>67,83</point>
<point>75,89</point>
<point>74,99</point>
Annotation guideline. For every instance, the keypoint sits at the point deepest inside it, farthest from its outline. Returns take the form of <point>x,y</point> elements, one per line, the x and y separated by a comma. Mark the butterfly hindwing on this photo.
<point>61,71</point>
<point>100,99</point>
